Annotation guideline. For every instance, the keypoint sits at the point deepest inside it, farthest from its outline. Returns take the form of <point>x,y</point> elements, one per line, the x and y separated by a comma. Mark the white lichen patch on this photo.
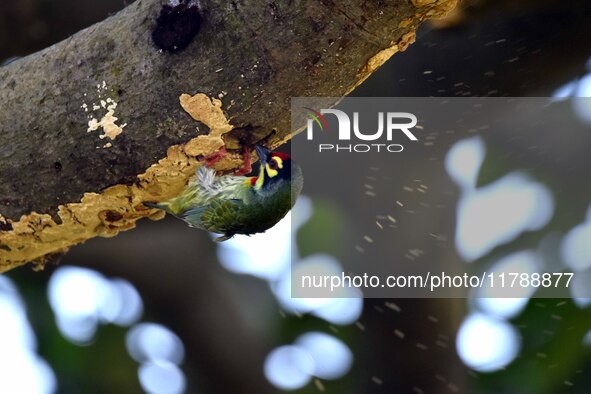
<point>108,122</point>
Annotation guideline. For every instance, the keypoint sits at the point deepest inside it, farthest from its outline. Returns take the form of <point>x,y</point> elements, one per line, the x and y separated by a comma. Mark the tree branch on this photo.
<point>93,125</point>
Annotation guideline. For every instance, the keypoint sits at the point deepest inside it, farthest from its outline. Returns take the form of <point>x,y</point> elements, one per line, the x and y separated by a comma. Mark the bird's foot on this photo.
<point>247,163</point>
<point>211,159</point>
<point>214,157</point>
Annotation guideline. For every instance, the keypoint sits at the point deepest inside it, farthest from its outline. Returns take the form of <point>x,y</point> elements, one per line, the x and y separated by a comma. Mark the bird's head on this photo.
<point>276,171</point>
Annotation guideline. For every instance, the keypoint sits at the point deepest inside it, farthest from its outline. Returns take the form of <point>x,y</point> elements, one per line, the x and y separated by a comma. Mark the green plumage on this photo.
<point>232,205</point>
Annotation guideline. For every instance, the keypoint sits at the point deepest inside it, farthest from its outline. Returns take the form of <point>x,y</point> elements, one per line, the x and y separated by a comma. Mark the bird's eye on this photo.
<point>273,164</point>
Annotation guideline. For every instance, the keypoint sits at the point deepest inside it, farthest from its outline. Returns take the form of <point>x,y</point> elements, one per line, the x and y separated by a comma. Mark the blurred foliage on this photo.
<point>96,367</point>
<point>323,232</point>
<point>553,359</point>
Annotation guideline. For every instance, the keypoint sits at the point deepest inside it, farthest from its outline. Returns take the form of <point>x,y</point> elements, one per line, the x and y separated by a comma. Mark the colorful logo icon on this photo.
<point>317,117</point>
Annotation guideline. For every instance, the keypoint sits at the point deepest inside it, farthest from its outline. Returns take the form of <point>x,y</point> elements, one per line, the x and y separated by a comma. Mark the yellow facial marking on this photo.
<point>271,171</point>
<point>272,167</point>
<point>261,179</point>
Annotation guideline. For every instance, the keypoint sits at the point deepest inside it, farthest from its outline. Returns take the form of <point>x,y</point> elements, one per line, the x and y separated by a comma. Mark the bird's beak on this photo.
<point>263,154</point>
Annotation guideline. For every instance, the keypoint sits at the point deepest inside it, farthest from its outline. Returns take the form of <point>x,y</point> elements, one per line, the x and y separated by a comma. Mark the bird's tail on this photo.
<point>164,206</point>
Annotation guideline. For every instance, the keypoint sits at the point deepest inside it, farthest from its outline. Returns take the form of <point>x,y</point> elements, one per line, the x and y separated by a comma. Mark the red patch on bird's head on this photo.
<point>253,180</point>
<point>281,155</point>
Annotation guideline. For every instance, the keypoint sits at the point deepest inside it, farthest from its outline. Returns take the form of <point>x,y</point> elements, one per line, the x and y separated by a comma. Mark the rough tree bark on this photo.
<point>98,123</point>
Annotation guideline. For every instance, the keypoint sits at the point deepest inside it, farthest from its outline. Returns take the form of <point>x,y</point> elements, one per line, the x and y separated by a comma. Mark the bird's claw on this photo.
<point>247,163</point>
<point>214,157</point>
<point>211,159</point>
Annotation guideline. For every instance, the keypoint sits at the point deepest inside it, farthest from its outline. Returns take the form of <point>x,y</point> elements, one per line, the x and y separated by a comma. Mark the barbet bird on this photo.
<point>231,204</point>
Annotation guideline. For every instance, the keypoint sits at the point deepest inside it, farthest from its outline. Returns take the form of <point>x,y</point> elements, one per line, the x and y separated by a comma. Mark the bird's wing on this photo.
<point>193,216</point>
<point>220,216</point>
